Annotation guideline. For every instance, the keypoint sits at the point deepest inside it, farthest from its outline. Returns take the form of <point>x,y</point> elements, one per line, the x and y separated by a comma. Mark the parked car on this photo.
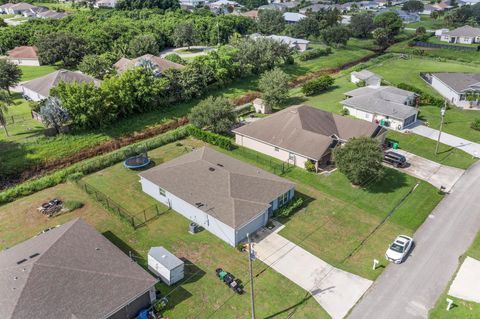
<point>397,160</point>
<point>399,249</point>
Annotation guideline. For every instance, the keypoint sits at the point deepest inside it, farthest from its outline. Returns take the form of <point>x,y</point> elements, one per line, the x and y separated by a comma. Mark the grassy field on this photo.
<point>32,72</point>
<point>462,309</point>
<point>201,295</point>
<point>428,23</point>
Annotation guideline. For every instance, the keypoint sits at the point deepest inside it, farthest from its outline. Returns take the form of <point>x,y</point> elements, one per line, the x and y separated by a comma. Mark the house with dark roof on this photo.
<point>72,271</point>
<point>385,105</point>
<point>465,35</point>
<point>24,55</point>
<point>456,87</point>
<point>301,133</point>
<point>39,89</point>
<point>158,63</point>
<point>225,196</point>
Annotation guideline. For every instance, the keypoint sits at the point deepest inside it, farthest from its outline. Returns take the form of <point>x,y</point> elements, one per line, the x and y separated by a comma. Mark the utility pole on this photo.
<point>442,113</point>
<point>252,298</point>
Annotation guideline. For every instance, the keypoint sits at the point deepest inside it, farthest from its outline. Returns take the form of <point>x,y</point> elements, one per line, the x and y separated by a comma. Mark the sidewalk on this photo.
<point>448,139</point>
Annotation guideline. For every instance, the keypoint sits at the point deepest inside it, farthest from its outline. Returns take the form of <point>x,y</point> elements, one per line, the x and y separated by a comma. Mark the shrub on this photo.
<point>314,53</point>
<point>475,125</point>
<point>317,85</point>
<point>344,112</point>
<point>71,205</point>
<point>425,98</point>
<point>287,210</point>
<point>211,138</point>
<point>310,166</point>
<point>173,57</point>
<point>75,177</point>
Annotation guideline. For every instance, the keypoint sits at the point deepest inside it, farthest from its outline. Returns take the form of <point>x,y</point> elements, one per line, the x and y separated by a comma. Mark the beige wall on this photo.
<point>270,150</point>
<point>28,62</point>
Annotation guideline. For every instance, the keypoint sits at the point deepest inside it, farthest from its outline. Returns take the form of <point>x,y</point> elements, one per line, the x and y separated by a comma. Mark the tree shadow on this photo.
<point>15,158</point>
<point>126,248</point>
<point>290,311</point>
<point>391,181</point>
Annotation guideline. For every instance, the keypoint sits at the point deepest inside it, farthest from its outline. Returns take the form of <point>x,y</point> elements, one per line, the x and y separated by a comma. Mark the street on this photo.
<point>409,290</point>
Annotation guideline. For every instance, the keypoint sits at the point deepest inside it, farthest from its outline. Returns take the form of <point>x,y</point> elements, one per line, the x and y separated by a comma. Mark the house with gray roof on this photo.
<point>225,196</point>
<point>159,64</point>
<point>72,271</point>
<point>39,89</point>
<point>465,35</point>
<point>293,17</point>
<point>455,87</point>
<point>385,105</point>
<point>301,133</point>
<point>298,44</point>
<point>366,77</point>
<point>316,8</point>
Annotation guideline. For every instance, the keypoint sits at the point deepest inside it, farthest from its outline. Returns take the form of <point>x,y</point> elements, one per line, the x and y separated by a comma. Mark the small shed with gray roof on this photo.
<point>165,265</point>
<point>225,196</point>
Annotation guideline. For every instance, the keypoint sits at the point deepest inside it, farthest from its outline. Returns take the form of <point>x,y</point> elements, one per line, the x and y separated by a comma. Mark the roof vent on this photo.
<point>164,256</point>
<point>211,169</point>
<point>21,261</point>
<point>221,165</point>
<point>198,204</point>
<point>34,255</point>
<point>97,249</point>
<point>15,278</point>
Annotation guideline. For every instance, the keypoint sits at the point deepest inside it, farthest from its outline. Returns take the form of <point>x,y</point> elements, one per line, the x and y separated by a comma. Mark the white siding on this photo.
<point>27,62</point>
<point>445,91</point>
<point>279,153</point>
<point>213,225</point>
<point>34,96</point>
<point>370,117</point>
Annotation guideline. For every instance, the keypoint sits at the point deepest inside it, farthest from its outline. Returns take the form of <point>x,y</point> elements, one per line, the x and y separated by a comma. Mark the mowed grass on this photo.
<point>201,294</point>
<point>33,72</point>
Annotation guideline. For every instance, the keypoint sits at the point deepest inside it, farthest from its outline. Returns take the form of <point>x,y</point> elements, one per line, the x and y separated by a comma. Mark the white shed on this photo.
<point>261,107</point>
<point>166,265</point>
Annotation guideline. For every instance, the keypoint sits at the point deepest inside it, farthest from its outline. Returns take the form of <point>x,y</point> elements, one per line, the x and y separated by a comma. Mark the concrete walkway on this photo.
<point>448,139</point>
<point>337,291</point>
<point>465,285</point>
<point>410,290</point>
<point>432,172</point>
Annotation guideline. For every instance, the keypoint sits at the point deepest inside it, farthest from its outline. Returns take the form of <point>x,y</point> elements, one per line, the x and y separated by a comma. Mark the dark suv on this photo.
<point>395,159</point>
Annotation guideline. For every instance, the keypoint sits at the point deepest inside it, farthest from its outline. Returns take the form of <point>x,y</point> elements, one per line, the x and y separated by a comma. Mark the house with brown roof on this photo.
<point>225,196</point>
<point>39,89</point>
<point>160,64</point>
<point>302,133</point>
<point>24,55</point>
<point>72,271</point>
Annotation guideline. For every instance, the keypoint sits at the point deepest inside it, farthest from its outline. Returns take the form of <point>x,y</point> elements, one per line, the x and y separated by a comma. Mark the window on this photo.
<point>283,199</point>
<point>276,149</point>
<point>161,191</point>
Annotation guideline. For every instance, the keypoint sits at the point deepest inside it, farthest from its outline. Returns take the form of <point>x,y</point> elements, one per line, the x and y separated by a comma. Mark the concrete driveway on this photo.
<point>430,171</point>
<point>337,291</point>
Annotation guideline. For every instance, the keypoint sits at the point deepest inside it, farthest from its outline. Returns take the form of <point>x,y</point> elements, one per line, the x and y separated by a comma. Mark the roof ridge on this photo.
<point>21,292</point>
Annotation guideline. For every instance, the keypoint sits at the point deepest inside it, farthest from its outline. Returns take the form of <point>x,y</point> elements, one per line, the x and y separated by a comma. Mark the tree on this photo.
<point>214,113</point>
<point>380,37</point>
<point>61,46</point>
<point>274,85</point>
<point>317,85</point>
<point>98,66</point>
<point>184,35</point>
<point>434,15</point>
<point>5,101</point>
<point>173,57</point>
<point>10,75</point>
<point>362,25</point>
<point>336,35</point>
<point>143,44</point>
<point>148,4</point>
<point>413,6</point>
<point>307,27</point>
<point>420,30</point>
<point>390,21</point>
<point>359,159</point>
<point>270,22</point>
<point>53,114</point>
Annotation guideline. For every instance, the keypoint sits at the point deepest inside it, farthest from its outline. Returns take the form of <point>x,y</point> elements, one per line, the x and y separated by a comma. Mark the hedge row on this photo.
<point>425,98</point>
<point>91,165</point>
<point>211,138</point>
<point>314,53</point>
<point>318,85</point>
<point>288,209</point>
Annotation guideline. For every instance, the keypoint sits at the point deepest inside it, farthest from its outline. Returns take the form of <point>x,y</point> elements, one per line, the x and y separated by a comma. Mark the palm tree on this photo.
<point>5,101</point>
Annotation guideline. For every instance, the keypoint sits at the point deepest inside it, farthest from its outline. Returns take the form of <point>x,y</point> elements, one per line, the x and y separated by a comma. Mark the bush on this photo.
<point>71,205</point>
<point>344,112</point>
<point>475,125</point>
<point>425,98</point>
<point>173,57</point>
<point>314,53</point>
<point>211,138</point>
<point>310,166</point>
<point>75,177</point>
<point>317,85</point>
<point>287,210</point>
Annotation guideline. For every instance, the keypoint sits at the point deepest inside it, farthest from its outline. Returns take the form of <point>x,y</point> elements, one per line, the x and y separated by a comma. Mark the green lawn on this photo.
<point>428,23</point>
<point>33,72</point>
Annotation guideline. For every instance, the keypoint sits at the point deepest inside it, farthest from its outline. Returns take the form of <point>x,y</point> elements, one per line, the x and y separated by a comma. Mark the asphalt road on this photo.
<point>410,290</point>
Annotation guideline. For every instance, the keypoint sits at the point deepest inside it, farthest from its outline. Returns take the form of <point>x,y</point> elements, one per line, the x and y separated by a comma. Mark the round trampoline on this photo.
<point>137,162</point>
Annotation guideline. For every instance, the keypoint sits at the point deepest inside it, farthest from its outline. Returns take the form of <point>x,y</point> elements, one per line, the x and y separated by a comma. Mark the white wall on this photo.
<point>370,117</point>
<point>28,62</point>
<point>445,91</point>
<point>267,149</point>
<point>32,95</point>
<point>213,225</point>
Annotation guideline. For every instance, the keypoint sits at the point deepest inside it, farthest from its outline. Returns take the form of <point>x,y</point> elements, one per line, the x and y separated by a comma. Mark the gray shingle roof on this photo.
<point>465,31</point>
<point>387,93</point>
<point>306,130</point>
<point>365,74</point>
<point>162,64</point>
<point>70,271</point>
<point>164,257</point>
<point>229,190</point>
<point>42,85</point>
<point>459,82</point>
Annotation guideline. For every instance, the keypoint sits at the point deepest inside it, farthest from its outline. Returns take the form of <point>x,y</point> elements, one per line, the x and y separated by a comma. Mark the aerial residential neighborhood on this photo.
<point>239,159</point>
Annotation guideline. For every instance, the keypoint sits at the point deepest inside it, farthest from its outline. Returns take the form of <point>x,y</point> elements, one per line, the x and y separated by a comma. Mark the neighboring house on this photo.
<point>367,77</point>
<point>367,5</point>
<point>273,6</point>
<point>19,8</point>
<point>39,89</point>
<point>439,32</point>
<point>253,14</point>
<point>465,35</point>
<point>4,8</point>
<point>106,4</point>
<point>159,63</point>
<point>72,271</point>
<point>293,17</point>
<point>298,44</point>
<point>346,19</point>
<point>385,105</point>
<point>227,197</point>
<point>50,14</point>
<point>190,4</point>
<point>24,55</point>
<point>455,87</point>
<point>33,12</point>
<point>303,133</point>
<point>428,9</point>
<point>316,8</point>
<point>406,17</point>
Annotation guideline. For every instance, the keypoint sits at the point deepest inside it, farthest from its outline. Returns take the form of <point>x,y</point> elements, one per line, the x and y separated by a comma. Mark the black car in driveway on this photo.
<point>395,159</point>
